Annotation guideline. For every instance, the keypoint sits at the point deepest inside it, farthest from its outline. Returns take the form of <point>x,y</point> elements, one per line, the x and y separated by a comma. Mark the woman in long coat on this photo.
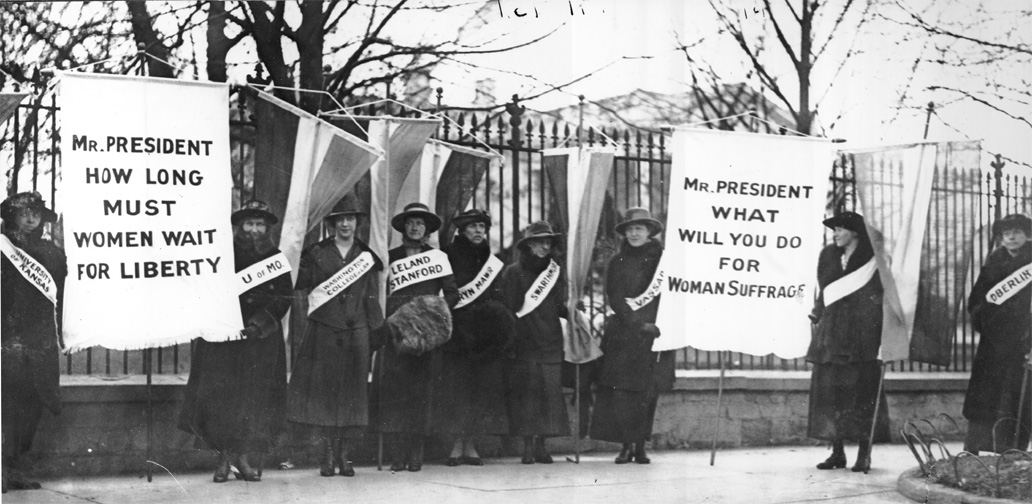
<point>30,332</point>
<point>236,393</point>
<point>328,395</point>
<point>535,393</point>
<point>844,346</point>
<point>999,304</point>
<point>632,374</point>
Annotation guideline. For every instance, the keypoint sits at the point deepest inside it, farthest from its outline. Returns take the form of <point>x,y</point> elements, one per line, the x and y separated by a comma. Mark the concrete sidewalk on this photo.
<point>777,475</point>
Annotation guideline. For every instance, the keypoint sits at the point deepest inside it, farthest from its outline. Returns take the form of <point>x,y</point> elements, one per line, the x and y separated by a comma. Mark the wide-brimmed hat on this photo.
<point>639,215</point>
<point>432,221</point>
<point>470,216</point>
<point>33,200</point>
<point>538,230</point>
<point>1013,221</point>
<point>847,220</point>
<point>254,209</point>
<point>348,205</point>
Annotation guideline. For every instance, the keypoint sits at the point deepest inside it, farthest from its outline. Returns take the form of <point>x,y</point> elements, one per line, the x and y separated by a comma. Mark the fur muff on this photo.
<point>421,325</point>
<point>484,329</point>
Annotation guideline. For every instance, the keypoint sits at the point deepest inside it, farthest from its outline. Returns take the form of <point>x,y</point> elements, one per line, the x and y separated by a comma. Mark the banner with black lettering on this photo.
<point>146,198</point>
<point>742,237</point>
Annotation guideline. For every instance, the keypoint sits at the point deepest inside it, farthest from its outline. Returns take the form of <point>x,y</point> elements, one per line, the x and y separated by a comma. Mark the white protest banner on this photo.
<point>146,198</point>
<point>742,238</point>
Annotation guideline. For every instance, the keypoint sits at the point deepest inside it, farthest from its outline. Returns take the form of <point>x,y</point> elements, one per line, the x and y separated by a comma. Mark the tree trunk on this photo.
<point>804,119</point>
<point>218,43</point>
<point>310,55</point>
<point>143,33</point>
<point>267,41</point>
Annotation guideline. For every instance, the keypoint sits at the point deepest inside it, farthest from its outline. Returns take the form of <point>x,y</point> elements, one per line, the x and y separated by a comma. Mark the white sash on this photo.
<point>340,280</point>
<point>33,271</point>
<point>655,287</point>
<point>261,272</point>
<point>471,291</point>
<point>418,268</point>
<point>1010,286</point>
<point>539,290</point>
<point>850,283</point>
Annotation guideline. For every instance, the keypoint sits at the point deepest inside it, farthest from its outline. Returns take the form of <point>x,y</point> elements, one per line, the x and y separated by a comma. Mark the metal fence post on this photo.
<point>515,111</point>
<point>998,190</point>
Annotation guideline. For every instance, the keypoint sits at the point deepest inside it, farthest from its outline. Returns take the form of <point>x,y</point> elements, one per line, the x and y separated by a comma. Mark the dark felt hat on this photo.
<point>432,221</point>
<point>33,200</point>
<point>538,230</point>
<point>470,216</point>
<point>348,205</point>
<point>639,215</point>
<point>847,220</point>
<point>251,210</point>
<point>1013,221</point>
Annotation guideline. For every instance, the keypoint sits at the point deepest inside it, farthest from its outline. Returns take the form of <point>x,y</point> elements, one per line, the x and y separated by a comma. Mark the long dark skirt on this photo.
<point>21,406</point>
<point>402,391</point>
<point>842,402</point>
<point>329,386</point>
<point>623,416</point>
<point>469,397</point>
<point>535,400</point>
<point>994,403</point>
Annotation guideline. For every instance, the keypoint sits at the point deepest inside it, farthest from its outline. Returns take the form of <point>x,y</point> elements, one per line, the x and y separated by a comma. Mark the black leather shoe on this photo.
<point>863,464</point>
<point>835,461</point>
<point>346,469</point>
<point>397,466</point>
<point>415,467</point>
<point>625,455</point>
<point>641,458</point>
<point>453,462</point>
<point>247,473</point>
<point>527,459</point>
<point>473,461</point>
<point>221,472</point>
<point>543,458</point>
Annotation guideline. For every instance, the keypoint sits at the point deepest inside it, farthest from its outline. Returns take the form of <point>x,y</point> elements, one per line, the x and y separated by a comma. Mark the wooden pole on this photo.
<point>720,397</point>
<point>877,405</point>
<point>147,357</point>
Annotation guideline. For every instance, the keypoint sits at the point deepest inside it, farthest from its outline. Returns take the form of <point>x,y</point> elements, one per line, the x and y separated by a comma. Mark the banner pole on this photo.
<point>379,396</point>
<point>572,306</point>
<point>720,396</point>
<point>1021,398</point>
<point>147,357</point>
<point>877,404</point>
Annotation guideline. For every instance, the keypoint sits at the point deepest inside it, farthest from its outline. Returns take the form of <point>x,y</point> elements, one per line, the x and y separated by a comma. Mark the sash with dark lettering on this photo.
<point>340,281</point>
<point>261,272</point>
<point>850,283</point>
<point>471,291</point>
<point>418,268</point>
<point>1010,286</point>
<point>30,269</point>
<point>655,287</point>
<point>539,290</point>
